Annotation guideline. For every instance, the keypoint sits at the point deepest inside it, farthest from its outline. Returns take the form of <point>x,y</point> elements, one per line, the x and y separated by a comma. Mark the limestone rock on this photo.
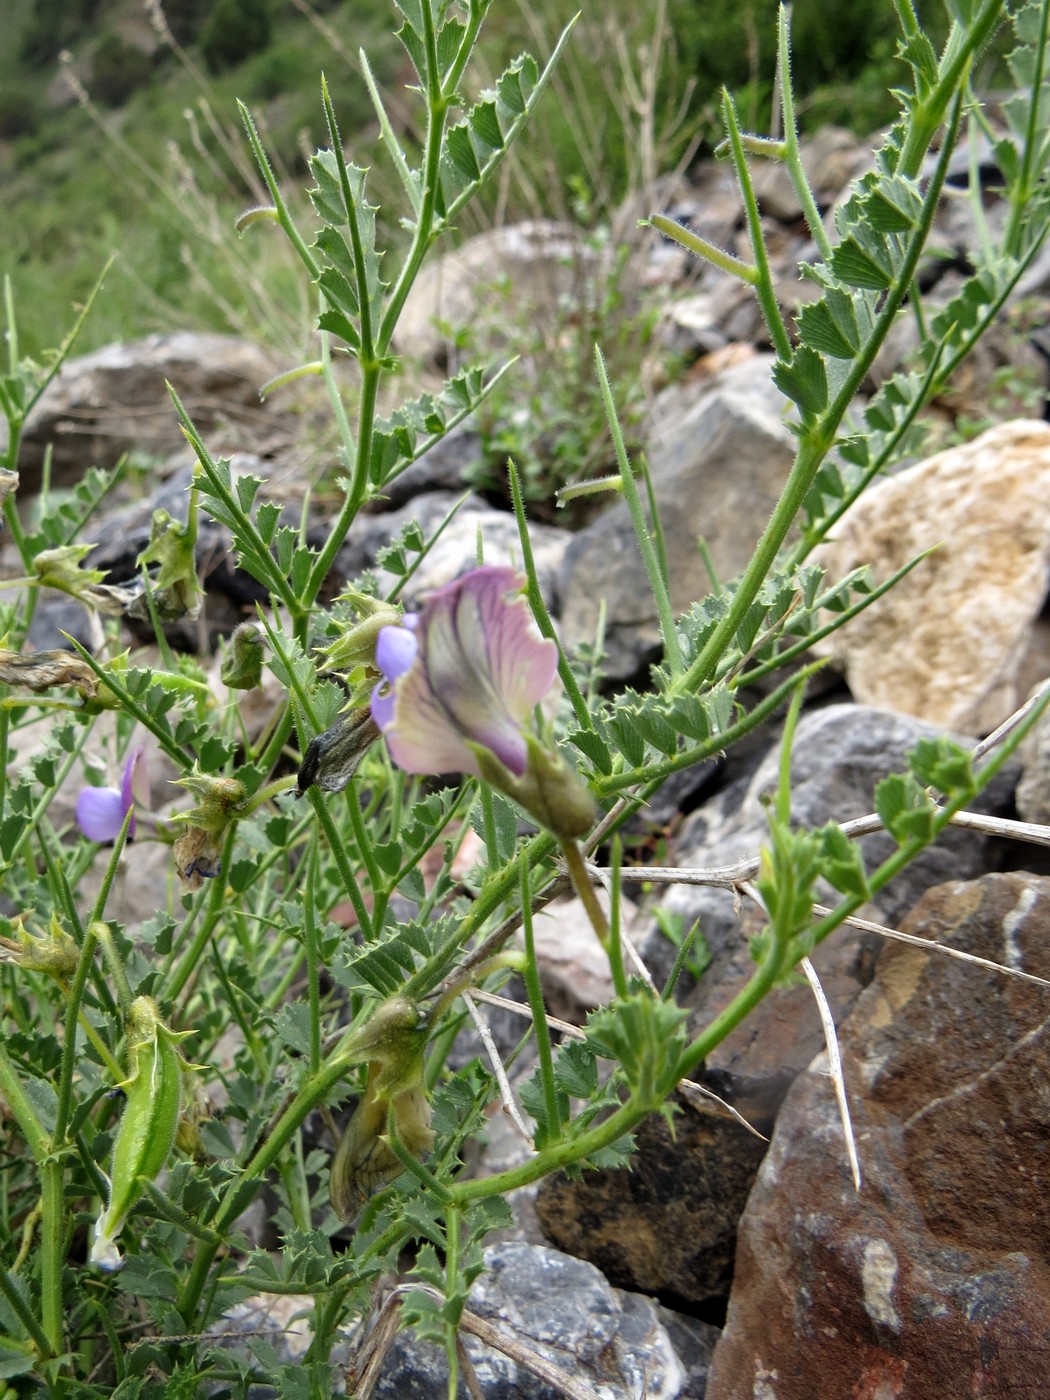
<point>560,1308</point>
<point>933,1281</point>
<point>948,644</point>
<point>718,455</point>
<point>114,400</point>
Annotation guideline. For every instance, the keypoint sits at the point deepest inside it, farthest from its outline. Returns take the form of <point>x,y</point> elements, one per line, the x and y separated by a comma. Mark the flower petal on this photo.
<point>485,660</point>
<point>100,813</point>
<point>396,651</point>
<point>418,732</point>
<point>470,675</point>
<point>135,785</point>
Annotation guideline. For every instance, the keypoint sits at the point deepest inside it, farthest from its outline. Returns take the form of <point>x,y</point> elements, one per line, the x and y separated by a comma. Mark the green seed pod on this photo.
<point>147,1128</point>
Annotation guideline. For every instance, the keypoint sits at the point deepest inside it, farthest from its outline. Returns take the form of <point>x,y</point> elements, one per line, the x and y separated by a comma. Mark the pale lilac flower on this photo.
<point>466,670</point>
<point>101,810</point>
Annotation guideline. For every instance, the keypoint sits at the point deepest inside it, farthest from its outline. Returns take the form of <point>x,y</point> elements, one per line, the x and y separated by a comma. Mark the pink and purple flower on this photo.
<point>463,674</point>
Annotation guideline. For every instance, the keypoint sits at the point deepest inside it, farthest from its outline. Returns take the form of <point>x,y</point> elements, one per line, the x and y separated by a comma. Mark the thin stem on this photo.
<point>310,935</point>
<point>657,581</point>
<point>338,850</point>
<point>767,299</point>
<point>792,154</point>
<point>552,1110</point>
<point>539,607</point>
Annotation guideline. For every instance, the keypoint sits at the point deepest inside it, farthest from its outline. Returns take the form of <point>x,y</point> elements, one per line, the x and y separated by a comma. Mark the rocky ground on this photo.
<point>722,1264</point>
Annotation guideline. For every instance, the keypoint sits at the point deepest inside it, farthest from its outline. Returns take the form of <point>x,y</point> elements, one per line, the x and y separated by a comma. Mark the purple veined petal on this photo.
<point>485,660</point>
<point>100,813</point>
<point>419,734</point>
<point>396,652</point>
<point>522,663</point>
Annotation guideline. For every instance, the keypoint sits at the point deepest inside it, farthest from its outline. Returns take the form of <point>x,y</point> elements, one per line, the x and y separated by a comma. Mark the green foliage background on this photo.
<point>71,190</point>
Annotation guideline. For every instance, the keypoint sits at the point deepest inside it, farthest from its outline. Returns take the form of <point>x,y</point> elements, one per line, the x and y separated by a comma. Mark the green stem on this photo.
<point>539,607</point>
<point>764,290</point>
<point>792,154</point>
<point>927,115</point>
<point>312,958</point>
<point>817,438</point>
<point>534,991</point>
<point>657,581</point>
<point>21,1109</point>
<point>338,850</point>
<point>24,1313</point>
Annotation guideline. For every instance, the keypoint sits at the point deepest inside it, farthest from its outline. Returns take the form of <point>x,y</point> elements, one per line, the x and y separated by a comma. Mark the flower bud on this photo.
<point>332,759</point>
<point>174,590</point>
<point>198,857</point>
<point>56,955</point>
<point>147,1126</point>
<point>242,665</point>
<point>357,644</point>
<point>220,802</point>
<point>60,568</point>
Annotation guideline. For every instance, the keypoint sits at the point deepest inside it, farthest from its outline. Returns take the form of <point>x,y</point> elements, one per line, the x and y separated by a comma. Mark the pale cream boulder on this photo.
<point>956,642</point>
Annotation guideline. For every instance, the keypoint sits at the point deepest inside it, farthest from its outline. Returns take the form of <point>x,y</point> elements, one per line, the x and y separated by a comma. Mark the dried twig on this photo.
<point>931,946</point>
<point>509,1103</point>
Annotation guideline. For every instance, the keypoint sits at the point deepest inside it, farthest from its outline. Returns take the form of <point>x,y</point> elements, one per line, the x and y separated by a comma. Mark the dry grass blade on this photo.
<point>831,1040</point>
<point>509,1103</point>
<point>466,1370</point>
<point>930,946</point>
<point>555,1377</point>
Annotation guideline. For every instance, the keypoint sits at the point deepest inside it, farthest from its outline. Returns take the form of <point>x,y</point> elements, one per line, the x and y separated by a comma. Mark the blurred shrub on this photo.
<point>235,30</point>
<point>117,69</point>
<point>52,26</point>
<point>186,18</point>
<point>19,110</point>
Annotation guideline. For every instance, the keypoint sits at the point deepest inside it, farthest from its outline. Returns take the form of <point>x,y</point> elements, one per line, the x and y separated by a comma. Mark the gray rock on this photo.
<point>447,466</point>
<point>115,400</point>
<point>718,456</point>
<point>540,262</point>
<point>456,550</point>
<point>560,1308</point>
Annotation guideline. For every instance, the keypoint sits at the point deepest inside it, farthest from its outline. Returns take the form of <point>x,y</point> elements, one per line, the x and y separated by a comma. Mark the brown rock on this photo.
<point>934,1282</point>
<point>948,644</point>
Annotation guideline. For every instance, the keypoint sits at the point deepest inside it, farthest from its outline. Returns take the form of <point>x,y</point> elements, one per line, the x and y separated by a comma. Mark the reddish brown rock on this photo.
<point>934,1282</point>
